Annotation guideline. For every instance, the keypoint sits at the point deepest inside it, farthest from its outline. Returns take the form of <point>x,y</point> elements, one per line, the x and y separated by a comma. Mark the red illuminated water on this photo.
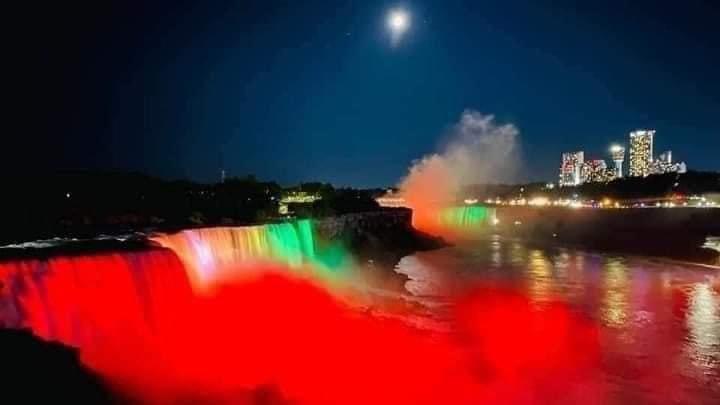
<point>520,326</point>
<point>658,322</point>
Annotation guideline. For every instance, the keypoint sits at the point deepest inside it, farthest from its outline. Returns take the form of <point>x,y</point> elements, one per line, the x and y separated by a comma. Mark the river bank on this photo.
<point>677,233</point>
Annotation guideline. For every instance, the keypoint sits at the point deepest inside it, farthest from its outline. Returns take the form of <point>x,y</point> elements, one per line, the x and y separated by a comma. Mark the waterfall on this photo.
<point>466,217</point>
<point>211,254</point>
<point>81,300</point>
<point>141,320</point>
<point>71,298</point>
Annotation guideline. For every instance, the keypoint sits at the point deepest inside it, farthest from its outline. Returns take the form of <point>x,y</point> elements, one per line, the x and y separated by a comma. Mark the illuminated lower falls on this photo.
<point>466,218</point>
<point>454,222</point>
<point>212,254</point>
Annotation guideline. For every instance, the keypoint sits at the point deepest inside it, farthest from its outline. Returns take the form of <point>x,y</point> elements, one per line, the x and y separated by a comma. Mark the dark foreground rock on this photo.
<point>35,371</point>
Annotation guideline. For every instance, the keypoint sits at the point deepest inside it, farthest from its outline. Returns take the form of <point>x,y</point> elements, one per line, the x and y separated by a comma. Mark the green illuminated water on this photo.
<point>295,243</point>
<point>214,252</point>
<point>286,244</point>
<point>465,217</point>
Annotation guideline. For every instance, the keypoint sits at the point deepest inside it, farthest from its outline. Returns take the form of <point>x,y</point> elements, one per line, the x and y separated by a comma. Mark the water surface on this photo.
<point>659,321</point>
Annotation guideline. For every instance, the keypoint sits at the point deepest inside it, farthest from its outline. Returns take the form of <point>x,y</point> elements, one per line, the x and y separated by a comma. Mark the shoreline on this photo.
<point>677,233</point>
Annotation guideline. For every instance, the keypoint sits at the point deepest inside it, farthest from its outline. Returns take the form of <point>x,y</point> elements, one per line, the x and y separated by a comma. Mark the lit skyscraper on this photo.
<point>618,156</point>
<point>641,152</point>
<point>594,171</point>
<point>571,169</point>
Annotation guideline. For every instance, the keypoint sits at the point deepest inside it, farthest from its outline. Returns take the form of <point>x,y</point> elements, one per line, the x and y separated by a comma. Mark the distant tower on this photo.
<point>618,156</point>
<point>641,152</point>
<point>221,165</point>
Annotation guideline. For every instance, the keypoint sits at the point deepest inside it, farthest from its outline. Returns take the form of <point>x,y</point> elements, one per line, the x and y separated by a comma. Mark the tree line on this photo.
<point>86,203</point>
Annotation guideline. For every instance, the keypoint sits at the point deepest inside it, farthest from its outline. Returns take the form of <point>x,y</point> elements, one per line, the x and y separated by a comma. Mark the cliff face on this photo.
<point>378,240</point>
<point>387,231</point>
<point>677,232</point>
<point>364,223</point>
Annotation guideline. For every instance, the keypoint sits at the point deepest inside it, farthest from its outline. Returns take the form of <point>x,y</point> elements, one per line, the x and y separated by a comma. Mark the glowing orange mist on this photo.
<point>479,151</point>
<point>428,189</point>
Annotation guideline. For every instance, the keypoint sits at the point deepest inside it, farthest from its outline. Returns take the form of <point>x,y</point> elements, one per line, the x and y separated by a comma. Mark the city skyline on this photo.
<point>576,170</point>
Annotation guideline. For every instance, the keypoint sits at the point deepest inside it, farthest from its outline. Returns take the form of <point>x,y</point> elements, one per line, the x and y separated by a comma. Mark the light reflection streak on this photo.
<point>615,306</point>
<point>496,251</point>
<point>562,263</point>
<point>541,276</point>
<point>517,254</point>
<point>703,322</point>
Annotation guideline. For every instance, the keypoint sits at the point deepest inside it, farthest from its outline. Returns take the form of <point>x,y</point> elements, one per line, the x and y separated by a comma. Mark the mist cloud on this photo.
<point>479,150</point>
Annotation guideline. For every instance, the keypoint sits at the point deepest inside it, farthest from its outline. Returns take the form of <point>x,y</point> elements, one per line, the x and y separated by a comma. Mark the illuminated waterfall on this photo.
<point>81,300</point>
<point>68,298</point>
<point>214,253</point>
<point>466,218</point>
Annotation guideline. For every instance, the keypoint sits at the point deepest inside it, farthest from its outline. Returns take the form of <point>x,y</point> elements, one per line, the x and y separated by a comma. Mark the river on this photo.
<point>658,321</point>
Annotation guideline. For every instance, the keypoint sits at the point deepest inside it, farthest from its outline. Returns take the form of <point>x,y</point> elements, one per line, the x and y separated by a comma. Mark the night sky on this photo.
<point>313,90</point>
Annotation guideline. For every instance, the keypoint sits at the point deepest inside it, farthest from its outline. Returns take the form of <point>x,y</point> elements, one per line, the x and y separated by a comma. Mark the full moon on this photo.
<point>398,21</point>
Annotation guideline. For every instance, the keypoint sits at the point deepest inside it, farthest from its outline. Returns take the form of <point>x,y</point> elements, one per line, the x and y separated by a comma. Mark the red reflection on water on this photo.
<point>291,335</point>
<point>529,354</point>
<point>280,339</point>
<point>514,337</point>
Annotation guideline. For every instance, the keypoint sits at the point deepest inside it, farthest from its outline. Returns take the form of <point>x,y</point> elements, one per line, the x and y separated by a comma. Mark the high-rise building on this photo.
<point>618,156</point>
<point>571,169</point>
<point>593,171</point>
<point>664,164</point>
<point>641,152</point>
<point>666,157</point>
<point>608,175</point>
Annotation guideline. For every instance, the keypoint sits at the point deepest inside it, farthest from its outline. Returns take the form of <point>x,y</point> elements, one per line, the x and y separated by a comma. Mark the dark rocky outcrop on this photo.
<point>35,371</point>
<point>387,230</point>
<point>378,239</point>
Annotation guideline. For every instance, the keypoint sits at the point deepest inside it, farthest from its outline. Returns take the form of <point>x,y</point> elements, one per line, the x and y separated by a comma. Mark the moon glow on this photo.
<point>398,22</point>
